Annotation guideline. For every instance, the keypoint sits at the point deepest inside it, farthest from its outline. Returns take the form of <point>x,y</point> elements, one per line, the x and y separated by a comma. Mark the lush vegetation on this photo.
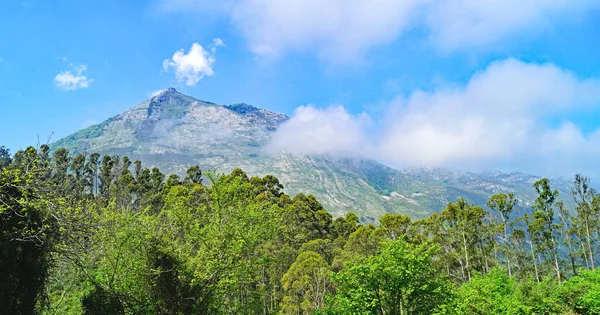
<point>104,235</point>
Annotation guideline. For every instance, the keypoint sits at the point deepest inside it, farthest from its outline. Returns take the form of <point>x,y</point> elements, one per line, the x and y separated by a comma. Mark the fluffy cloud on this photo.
<point>73,79</point>
<point>342,30</point>
<point>194,65</point>
<point>336,29</point>
<point>512,114</point>
<point>321,131</point>
<point>456,24</point>
<point>501,114</point>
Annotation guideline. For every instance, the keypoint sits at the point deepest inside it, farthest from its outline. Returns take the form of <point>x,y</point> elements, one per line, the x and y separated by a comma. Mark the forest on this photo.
<point>92,234</point>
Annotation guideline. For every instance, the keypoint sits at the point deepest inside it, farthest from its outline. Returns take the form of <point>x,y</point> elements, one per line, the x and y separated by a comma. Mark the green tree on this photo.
<point>193,175</point>
<point>27,232</point>
<point>493,294</point>
<point>5,159</point>
<point>582,292</point>
<point>398,280</point>
<point>587,212</point>
<point>394,225</point>
<point>543,224</point>
<point>306,284</point>
<point>463,223</point>
<point>504,204</point>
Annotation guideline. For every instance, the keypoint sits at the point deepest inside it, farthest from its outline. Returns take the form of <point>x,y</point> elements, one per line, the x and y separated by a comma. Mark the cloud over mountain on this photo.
<point>512,112</point>
<point>322,131</point>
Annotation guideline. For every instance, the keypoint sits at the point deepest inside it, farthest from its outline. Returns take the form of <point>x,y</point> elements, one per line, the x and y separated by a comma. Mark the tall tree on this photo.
<point>567,231</point>
<point>27,232</point>
<point>463,222</point>
<point>587,211</point>
<point>544,219</point>
<point>504,204</point>
<point>60,170</point>
<point>91,173</point>
<point>5,159</point>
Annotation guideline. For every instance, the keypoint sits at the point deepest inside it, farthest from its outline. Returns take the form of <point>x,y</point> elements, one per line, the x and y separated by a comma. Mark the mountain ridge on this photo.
<point>173,131</point>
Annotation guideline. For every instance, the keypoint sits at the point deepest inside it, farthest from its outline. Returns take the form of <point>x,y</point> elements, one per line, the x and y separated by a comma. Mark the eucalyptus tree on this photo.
<point>587,211</point>
<point>504,204</point>
<point>543,224</point>
<point>4,157</point>
<point>464,222</point>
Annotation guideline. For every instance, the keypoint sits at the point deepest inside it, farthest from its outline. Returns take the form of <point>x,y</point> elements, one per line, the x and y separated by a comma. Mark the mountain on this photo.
<point>174,131</point>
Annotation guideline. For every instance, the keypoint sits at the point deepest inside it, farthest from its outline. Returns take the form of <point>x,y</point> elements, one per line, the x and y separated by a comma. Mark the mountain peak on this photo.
<point>242,108</point>
<point>164,93</point>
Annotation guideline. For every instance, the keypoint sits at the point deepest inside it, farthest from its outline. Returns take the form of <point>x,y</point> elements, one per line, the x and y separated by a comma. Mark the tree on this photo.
<point>543,224</point>
<point>399,280</point>
<point>194,175</point>
<point>106,173</point>
<point>394,225</point>
<point>60,170</point>
<point>587,210</point>
<point>5,159</point>
<point>306,283</point>
<point>91,173</point>
<point>504,204</point>
<point>463,222</point>
<point>27,232</point>
<point>344,226</point>
<point>493,294</point>
<point>582,292</point>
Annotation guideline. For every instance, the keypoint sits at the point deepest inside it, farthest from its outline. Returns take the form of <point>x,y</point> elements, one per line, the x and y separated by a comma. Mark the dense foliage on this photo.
<point>103,235</point>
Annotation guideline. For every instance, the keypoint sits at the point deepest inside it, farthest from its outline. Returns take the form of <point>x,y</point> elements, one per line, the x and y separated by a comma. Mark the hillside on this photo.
<point>173,131</point>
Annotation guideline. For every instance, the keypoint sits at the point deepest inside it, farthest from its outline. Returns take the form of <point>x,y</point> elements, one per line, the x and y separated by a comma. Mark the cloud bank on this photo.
<point>334,28</point>
<point>195,65</point>
<point>343,30</point>
<point>512,113</point>
<point>465,24</point>
<point>322,131</point>
<point>73,79</point>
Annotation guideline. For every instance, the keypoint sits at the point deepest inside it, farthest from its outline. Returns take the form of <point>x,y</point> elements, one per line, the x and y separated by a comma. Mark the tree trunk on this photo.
<point>571,257</point>
<point>537,276</point>
<point>555,253</point>
<point>506,250</point>
<point>467,266</point>
<point>589,243</point>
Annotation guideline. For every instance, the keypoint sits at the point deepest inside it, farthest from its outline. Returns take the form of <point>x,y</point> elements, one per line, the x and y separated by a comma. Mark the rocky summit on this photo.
<point>174,131</point>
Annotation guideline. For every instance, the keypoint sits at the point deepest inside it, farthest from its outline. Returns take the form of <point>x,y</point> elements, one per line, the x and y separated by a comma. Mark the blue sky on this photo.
<point>416,82</point>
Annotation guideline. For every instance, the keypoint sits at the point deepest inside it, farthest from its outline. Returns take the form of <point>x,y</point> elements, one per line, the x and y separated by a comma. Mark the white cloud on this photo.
<point>500,114</point>
<point>194,65</point>
<point>463,24</point>
<point>73,79</point>
<point>335,29</point>
<point>321,131</point>
<point>343,30</point>
<point>512,114</point>
<point>217,42</point>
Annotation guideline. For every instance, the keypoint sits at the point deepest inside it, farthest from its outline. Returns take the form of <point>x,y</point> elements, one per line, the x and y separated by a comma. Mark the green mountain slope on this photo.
<point>173,131</point>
